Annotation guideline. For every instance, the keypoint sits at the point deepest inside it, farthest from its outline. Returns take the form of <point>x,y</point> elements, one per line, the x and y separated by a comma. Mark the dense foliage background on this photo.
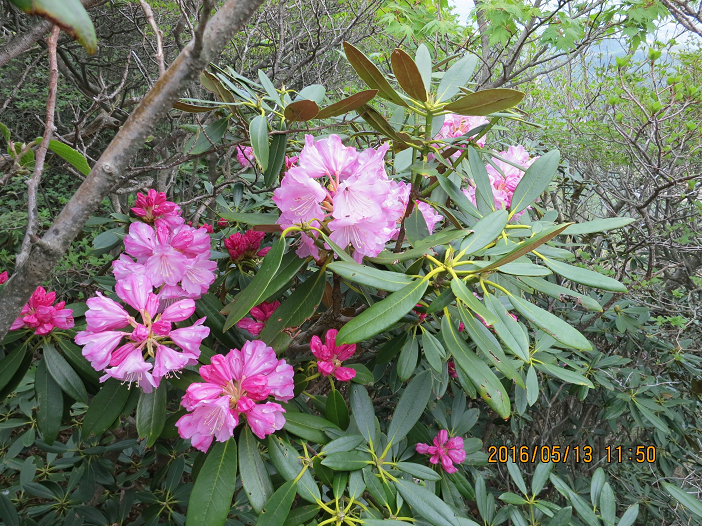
<point>615,87</point>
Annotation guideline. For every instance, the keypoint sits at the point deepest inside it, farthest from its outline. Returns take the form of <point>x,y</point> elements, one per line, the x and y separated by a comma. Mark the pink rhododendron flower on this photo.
<point>222,223</point>
<point>4,277</point>
<point>208,228</point>
<point>260,314</point>
<point>245,156</point>
<point>430,215</point>
<point>237,384</point>
<point>42,315</point>
<point>458,125</point>
<point>148,338</point>
<point>452,368</point>
<point>246,245</point>
<point>155,206</point>
<point>330,355</point>
<point>290,161</point>
<point>328,157</point>
<point>445,450</point>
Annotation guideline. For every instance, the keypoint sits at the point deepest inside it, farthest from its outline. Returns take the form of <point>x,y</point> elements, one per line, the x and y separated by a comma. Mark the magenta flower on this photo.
<point>4,277</point>
<point>430,215</point>
<point>236,385</point>
<point>445,450</point>
<point>329,356</point>
<point>452,367</point>
<point>155,207</point>
<point>260,313</point>
<point>148,339</point>
<point>245,156</point>
<point>290,161</point>
<point>246,245</point>
<point>42,315</point>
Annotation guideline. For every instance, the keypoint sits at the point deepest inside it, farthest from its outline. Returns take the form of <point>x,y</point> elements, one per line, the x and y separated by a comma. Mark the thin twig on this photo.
<point>33,184</point>
<point>159,36</point>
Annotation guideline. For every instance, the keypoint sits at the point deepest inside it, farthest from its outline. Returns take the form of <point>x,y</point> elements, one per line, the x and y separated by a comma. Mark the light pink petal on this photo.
<point>179,311</point>
<point>281,382</point>
<point>422,449</point>
<point>168,360</point>
<point>98,347</point>
<point>134,290</point>
<point>141,241</point>
<point>344,374</point>
<point>265,419</point>
<point>258,358</point>
<point>190,338</point>
<point>218,372</point>
<point>105,314</point>
<point>326,368</point>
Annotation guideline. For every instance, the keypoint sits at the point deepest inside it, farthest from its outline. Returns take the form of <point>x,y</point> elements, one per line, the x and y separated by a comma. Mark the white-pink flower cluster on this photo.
<point>458,125</point>
<point>503,186</point>
<point>356,200</point>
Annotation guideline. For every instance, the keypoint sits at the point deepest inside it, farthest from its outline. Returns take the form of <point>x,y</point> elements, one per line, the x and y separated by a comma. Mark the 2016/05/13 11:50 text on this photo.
<point>502,454</point>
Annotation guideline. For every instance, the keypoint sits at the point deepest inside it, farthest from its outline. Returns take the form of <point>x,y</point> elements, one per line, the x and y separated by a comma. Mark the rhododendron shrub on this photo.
<point>369,304</point>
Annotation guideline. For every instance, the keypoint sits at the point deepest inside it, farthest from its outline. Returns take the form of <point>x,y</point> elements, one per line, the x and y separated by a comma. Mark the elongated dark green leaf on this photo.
<point>151,414</point>
<point>285,459</point>
<point>552,325</point>
<point>598,225</point>
<point>489,346</point>
<point>8,513</point>
<point>651,417</point>
<point>50,401</point>
<point>347,461</point>
<point>485,102</point>
<point>683,497</point>
<point>439,238</point>
<point>371,75</point>
<point>407,361</point>
<point>210,307</point>
<point>277,161</point>
<point>541,473</point>
<point>343,443</point>
<point>309,427</point>
<point>258,131</point>
<point>290,266</point>
<point>376,121</point>
<point>67,379</point>
<point>468,298</point>
<point>556,291</point>
<point>433,351</point>
<point>277,508</point>
<point>254,475</point>
<point>483,193</point>
<point>487,384</point>
<point>536,179</point>
<point>362,411</point>
<point>300,305</point>
<point>527,246</point>
<point>69,15</point>
<point>348,104</point>
<point>10,364</point>
<point>508,329</point>
<point>426,504</point>
<point>105,407</point>
<point>336,410</point>
<point>419,471</point>
<point>458,197</point>
<point>570,377</point>
<point>301,515</point>
<point>211,135</point>
<point>423,60</point>
<point>250,296</point>
<point>192,108</point>
<point>524,269</point>
<point>301,111</point>
<point>408,75</point>
<point>373,277</point>
<point>416,227</point>
<point>382,314</point>
<point>250,219</point>
<point>410,407</point>
<point>71,156</point>
<point>456,77</point>
<point>214,487</point>
<point>16,378</point>
<point>562,518</point>
<point>584,276</point>
<point>269,87</point>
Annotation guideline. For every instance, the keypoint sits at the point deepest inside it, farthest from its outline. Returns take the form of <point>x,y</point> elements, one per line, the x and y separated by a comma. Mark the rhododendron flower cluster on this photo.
<point>154,207</point>
<point>245,156</point>
<point>4,276</point>
<point>149,339</point>
<point>330,355</point>
<point>445,451</point>
<point>246,245</point>
<point>174,255</point>
<point>260,314</point>
<point>41,314</point>
<point>458,125</point>
<point>348,192</point>
<point>236,385</point>
<point>503,187</point>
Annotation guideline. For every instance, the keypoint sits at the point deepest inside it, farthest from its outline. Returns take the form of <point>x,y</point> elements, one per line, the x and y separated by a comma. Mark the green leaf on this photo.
<point>348,104</point>
<point>584,276</point>
<point>439,238</point>
<point>532,386</point>
<point>71,156</point>
<point>419,471</point>
<point>363,375</point>
<point>487,384</point>
<point>408,75</point>
<point>513,498</point>
<point>410,407</point>
<point>426,504</point>
<point>67,379</point>
<point>372,277</point>
<point>50,401</point>
<point>269,87</point>
<point>383,314</point>
<point>541,474</point>
<point>336,410</point>
<point>485,232</point>
<point>536,179</point>
<point>690,503</point>
<point>212,493</point>
<point>562,518</point>
<point>343,443</point>
<point>69,15</point>
<point>209,138</point>
<point>527,246</point>
<point>585,512</point>
<point>461,291</point>
<point>277,150</point>
<point>524,269</point>
<point>258,131</point>
<point>151,414</point>
<point>407,361</point>
<point>11,363</point>
<point>458,197</point>
<point>301,111</point>
<point>363,412</point>
<point>556,291</point>
<point>285,459</point>
<point>347,460</point>
<point>485,102</point>
<point>433,351</point>
<point>567,376</point>
<point>371,75</point>
<point>416,227</point>
<point>290,266</point>
<point>250,296</point>
<point>608,505</point>
<point>508,330</point>
<point>210,307</point>
<point>8,513</point>
<point>423,60</point>
<point>277,508</point>
<point>301,515</point>
<point>516,476</point>
<point>631,514</point>
<point>309,427</point>
<point>253,472</point>
<point>651,417</point>
<point>456,77</point>
<point>251,219</point>
<point>552,325</point>
<point>598,225</point>
<point>483,193</point>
